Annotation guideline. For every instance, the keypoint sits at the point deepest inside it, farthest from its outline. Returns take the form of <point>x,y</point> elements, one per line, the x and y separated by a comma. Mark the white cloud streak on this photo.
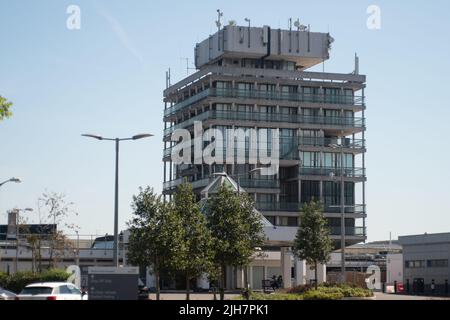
<point>122,35</point>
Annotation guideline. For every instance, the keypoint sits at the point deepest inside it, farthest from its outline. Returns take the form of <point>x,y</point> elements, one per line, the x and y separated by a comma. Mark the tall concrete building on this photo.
<point>257,78</point>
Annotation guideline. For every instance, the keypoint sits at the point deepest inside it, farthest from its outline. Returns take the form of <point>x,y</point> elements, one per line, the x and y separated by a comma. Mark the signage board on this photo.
<point>111,283</point>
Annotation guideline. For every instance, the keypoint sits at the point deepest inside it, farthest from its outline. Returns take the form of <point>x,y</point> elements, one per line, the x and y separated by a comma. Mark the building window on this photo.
<point>440,263</point>
<point>310,159</point>
<point>412,264</point>
<point>288,221</point>
<point>309,190</point>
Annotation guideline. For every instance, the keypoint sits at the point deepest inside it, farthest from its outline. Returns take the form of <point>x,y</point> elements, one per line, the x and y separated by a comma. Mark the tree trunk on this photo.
<point>158,290</point>
<point>188,285</point>
<point>315,274</point>
<point>222,283</point>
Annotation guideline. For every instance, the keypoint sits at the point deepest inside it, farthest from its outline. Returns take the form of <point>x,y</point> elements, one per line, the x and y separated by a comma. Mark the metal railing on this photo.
<point>289,147</point>
<point>350,122</point>
<point>244,183</point>
<point>337,172</point>
<point>325,142</point>
<point>296,207</point>
<point>267,95</point>
<point>349,231</point>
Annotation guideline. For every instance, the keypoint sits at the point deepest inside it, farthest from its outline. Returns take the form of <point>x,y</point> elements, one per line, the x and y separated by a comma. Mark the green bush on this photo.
<point>347,290</point>
<point>3,279</point>
<point>53,275</point>
<point>275,296</point>
<point>17,281</point>
<point>300,289</point>
<point>323,295</point>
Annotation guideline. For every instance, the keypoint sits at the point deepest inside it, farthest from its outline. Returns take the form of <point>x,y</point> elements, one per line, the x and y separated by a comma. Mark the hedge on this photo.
<point>17,281</point>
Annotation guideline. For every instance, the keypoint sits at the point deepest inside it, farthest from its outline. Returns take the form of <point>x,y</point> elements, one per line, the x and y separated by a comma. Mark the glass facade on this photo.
<point>311,117</point>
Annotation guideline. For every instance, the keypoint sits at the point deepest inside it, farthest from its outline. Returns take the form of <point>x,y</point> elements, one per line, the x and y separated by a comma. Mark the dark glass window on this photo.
<point>440,263</point>
<point>310,190</point>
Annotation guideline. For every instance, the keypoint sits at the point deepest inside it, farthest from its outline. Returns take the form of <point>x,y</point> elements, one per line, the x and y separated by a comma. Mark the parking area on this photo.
<point>387,297</point>
<point>193,296</point>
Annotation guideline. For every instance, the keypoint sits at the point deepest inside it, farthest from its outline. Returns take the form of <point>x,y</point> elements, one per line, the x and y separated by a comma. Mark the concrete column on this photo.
<point>286,267</point>
<point>300,272</point>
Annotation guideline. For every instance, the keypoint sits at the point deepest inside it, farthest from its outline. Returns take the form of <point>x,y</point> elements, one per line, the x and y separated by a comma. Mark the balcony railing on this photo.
<point>187,102</point>
<point>289,147</point>
<point>349,231</point>
<point>350,122</point>
<point>244,183</point>
<point>336,172</point>
<point>326,142</point>
<point>260,183</point>
<point>296,207</point>
<point>267,95</point>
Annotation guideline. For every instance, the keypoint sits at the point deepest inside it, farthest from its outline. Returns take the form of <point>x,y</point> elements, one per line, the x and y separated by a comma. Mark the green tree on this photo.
<point>312,242</point>
<point>156,235</point>
<point>196,257</point>
<point>236,229</point>
<point>5,107</point>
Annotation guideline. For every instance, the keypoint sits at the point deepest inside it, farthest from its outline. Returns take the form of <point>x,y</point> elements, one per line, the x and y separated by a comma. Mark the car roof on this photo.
<point>48,284</point>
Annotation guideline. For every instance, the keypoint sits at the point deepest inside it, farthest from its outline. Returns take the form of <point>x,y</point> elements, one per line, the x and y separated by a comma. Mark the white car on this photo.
<point>51,291</point>
<point>6,295</point>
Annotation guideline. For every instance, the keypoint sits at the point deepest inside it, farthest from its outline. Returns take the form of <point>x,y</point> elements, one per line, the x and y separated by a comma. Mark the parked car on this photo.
<point>6,295</point>
<point>51,291</point>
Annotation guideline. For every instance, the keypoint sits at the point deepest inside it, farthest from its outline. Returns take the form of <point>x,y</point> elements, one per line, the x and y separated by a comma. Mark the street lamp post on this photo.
<point>17,211</point>
<point>116,189</point>
<point>342,206</point>
<point>16,180</point>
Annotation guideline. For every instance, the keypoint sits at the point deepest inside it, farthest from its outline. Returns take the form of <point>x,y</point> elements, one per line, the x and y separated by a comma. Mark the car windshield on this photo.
<point>37,290</point>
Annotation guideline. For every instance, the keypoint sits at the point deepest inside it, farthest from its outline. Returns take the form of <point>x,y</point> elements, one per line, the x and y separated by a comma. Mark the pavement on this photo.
<point>388,297</point>
<point>230,296</point>
<point>193,296</point>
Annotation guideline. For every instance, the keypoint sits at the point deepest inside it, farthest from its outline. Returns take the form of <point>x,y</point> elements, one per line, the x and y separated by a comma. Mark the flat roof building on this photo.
<point>426,262</point>
<point>254,82</point>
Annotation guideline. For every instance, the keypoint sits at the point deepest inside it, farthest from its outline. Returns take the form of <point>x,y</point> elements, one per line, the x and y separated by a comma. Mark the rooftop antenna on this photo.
<point>249,26</point>
<point>187,65</point>
<point>309,38</point>
<point>168,78</point>
<point>219,24</point>
<point>290,34</point>
<point>356,64</point>
<point>297,25</point>
<point>390,241</point>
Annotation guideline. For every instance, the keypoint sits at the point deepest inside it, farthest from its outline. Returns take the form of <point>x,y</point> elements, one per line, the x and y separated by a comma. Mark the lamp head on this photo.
<point>142,136</point>
<point>92,136</point>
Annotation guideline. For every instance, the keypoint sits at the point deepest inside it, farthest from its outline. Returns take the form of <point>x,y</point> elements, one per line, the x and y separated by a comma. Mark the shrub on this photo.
<point>300,289</point>
<point>53,275</point>
<point>275,296</point>
<point>3,279</point>
<point>322,295</point>
<point>17,281</point>
<point>348,290</point>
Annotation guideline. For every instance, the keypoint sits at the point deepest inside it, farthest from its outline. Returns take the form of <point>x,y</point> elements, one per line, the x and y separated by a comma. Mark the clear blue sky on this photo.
<point>108,78</point>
